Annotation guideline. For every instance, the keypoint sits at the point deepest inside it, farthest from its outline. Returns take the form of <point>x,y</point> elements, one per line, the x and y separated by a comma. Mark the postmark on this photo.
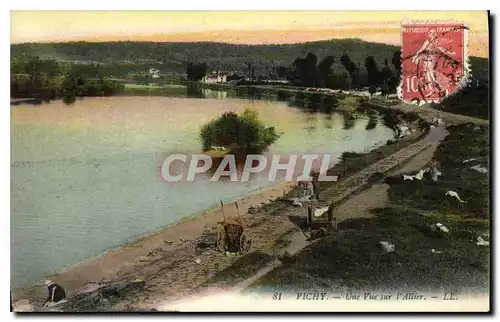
<point>434,61</point>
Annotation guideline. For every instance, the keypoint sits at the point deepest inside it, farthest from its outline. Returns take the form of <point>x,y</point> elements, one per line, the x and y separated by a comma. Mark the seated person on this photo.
<point>56,293</point>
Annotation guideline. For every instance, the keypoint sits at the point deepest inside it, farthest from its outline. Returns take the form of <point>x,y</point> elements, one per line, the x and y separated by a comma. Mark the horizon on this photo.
<point>233,27</point>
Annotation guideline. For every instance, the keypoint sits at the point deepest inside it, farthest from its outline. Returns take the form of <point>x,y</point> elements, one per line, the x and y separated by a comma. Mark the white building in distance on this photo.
<point>155,73</point>
<point>215,77</point>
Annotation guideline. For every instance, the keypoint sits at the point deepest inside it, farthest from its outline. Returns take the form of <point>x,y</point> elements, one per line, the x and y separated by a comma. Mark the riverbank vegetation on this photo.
<point>32,77</point>
<point>424,259</point>
<point>472,101</point>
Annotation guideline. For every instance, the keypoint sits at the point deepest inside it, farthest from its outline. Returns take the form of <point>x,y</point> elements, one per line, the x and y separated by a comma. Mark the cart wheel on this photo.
<point>246,241</point>
<point>221,239</point>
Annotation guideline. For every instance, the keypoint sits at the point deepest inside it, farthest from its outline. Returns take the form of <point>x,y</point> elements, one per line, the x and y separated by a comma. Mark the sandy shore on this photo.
<point>126,259</point>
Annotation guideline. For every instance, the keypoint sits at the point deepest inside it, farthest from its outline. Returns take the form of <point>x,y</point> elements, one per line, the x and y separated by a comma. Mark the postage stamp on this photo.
<point>434,61</point>
<point>249,161</point>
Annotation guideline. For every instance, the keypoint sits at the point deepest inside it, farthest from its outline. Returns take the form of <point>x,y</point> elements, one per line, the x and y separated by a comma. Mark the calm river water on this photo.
<point>85,178</point>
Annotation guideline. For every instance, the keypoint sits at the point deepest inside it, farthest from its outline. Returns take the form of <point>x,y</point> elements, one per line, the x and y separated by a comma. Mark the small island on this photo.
<point>237,134</point>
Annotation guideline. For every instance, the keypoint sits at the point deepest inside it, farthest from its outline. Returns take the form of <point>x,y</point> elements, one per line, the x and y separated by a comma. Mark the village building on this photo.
<point>215,77</point>
<point>155,73</point>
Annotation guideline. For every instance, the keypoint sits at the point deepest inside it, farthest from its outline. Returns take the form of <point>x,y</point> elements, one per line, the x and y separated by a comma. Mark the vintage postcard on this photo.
<point>250,161</point>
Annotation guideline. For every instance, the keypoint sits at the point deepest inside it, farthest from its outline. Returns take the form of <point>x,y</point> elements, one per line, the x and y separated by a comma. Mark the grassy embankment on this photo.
<point>355,261</point>
<point>473,102</point>
<point>160,90</point>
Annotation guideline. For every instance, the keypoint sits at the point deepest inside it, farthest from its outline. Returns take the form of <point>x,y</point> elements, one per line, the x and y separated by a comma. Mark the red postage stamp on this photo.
<point>434,61</point>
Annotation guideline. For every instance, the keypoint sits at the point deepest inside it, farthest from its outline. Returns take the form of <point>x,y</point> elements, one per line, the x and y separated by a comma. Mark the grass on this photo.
<point>142,86</point>
<point>356,262</point>
<point>283,241</point>
<point>473,101</point>
<point>462,143</point>
<point>349,103</point>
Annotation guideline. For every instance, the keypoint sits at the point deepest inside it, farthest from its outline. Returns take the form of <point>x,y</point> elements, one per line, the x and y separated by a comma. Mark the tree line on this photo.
<point>218,56</point>
<point>49,79</point>
<point>309,72</point>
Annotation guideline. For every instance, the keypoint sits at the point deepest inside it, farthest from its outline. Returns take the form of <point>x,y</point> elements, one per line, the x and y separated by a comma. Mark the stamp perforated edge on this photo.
<point>467,76</point>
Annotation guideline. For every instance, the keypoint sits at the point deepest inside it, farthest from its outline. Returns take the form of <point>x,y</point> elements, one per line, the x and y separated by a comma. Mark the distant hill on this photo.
<point>223,56</point>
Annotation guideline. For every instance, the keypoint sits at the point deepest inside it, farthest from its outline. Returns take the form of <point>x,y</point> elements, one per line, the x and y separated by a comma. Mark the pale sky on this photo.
<point>248,27</point>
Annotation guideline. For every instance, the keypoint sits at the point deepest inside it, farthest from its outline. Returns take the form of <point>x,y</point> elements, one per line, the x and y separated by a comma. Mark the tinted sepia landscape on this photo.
<point>99,101</point>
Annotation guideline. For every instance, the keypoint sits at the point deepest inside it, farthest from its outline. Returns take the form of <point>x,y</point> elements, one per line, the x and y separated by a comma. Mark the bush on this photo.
<point>238,132</point>
<point>372,90</point>
<point>472,101</point>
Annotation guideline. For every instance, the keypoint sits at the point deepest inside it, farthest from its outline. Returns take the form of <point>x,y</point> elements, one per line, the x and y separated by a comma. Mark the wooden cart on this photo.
<point>233,234</point>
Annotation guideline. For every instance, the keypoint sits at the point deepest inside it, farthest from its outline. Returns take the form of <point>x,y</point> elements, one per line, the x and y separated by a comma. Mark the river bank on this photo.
<point>346,101</point>
<point>124,260</point>
<point>165,248</point>
<point>134,260</point>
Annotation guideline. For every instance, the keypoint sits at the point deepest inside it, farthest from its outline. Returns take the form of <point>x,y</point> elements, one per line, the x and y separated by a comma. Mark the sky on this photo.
<point>242,27</point>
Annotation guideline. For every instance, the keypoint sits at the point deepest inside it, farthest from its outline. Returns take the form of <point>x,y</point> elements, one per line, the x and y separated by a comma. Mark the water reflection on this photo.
<point>194,91</point>
<point>69,100</point>
<point>372,122</point>
<point>283,96</point>
<point>349,120</point>
<point>197,91</point>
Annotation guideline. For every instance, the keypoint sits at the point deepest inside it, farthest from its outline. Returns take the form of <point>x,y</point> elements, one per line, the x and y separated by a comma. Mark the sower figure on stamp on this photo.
<point>430,51</point>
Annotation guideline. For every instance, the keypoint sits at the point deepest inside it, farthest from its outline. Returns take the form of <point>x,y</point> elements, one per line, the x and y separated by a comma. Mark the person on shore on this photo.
<point>56,293</point>
<point>434,167</point>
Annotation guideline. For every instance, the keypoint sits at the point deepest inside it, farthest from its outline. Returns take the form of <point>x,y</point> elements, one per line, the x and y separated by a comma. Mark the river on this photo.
<point>85,177</point>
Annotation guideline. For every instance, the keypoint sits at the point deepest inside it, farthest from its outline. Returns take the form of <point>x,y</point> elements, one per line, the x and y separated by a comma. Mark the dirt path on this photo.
<point>359,205</point>
<point>428,113</point>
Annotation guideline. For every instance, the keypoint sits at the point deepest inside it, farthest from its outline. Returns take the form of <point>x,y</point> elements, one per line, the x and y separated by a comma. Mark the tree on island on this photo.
<point>241,134</point>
